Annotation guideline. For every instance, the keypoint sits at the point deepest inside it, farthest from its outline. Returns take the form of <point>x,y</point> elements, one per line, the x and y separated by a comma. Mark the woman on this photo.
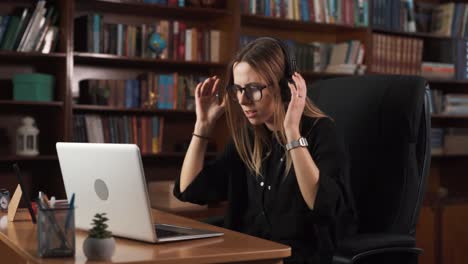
<point>278,186</point>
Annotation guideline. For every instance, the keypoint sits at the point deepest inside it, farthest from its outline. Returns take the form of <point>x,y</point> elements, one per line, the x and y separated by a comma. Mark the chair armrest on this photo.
<point>353,248</point>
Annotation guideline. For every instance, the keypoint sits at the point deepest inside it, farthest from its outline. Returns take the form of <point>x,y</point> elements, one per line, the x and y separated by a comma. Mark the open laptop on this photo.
<point>109,178</point>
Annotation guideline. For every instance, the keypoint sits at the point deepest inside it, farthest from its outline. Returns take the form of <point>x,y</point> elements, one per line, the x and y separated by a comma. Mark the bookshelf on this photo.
<point>439,233</point>
<point>70,66</point>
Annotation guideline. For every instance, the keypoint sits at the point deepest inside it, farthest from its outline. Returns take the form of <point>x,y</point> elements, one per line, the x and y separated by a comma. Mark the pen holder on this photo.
<point>56,232</point>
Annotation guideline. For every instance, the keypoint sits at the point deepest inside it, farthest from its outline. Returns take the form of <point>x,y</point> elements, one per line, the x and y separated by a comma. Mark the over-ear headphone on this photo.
<point>289,69</point>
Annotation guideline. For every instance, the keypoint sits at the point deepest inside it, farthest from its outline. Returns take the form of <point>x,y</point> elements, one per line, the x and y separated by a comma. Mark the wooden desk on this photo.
<point>18,244</point>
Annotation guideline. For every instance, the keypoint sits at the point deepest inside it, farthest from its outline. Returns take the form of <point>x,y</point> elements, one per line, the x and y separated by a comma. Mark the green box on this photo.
<point>33,87</point>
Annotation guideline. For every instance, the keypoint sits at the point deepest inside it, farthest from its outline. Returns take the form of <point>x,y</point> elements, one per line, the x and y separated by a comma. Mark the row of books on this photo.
<point>30,30</point>
<point>451,141</point>
<point>394,15</point>
<point>396,54</point>
<point>450,19</point>
<point>149,90</point>
<point>449,103</point>
<point>438,70</point>
<point>181,42</point>
<point>348,12</point>
<point>181,3</point>
<point>145,131</point>
<point>448,52</point>
<point>345,57</point>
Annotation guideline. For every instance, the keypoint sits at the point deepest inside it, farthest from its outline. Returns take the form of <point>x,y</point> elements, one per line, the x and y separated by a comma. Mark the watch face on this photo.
<point>303,142</point>
<point>3,203</point>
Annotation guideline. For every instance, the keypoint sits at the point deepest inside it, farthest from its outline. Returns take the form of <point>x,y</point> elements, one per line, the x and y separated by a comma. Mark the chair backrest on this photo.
<point>385,123</point>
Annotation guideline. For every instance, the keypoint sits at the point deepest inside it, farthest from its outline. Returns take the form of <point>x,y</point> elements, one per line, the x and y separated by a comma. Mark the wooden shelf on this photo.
<point>151,10</point>
<point>176,155</point>
<point>319,75</point>
<point>449,86</point>
<point>447,81</point>
<point>31,103</point>
<point>422,35</point>
<point>296,25</point>
<point>110,109</point>
<point>27,3</point>
<point>13,158</point>
<point>452,117</point>
<point>110,60</point>
<point>444,120</point>
<point>30,57</point>
<point>445,155</point>
<point>28,107</point>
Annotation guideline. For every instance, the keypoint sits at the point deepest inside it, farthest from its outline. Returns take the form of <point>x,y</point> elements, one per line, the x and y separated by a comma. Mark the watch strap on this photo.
<point>301,142</point>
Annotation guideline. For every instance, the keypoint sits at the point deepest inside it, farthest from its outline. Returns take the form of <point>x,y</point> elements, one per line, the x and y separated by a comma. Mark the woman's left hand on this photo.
<point>295,107</point>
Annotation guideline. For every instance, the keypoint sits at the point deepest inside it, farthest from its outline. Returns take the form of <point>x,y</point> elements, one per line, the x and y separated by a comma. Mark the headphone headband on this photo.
<point>289,69</point>
<point>290,60</point>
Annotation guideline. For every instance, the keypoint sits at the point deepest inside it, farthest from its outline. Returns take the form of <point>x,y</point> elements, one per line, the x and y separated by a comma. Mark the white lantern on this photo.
<point>26,138</point>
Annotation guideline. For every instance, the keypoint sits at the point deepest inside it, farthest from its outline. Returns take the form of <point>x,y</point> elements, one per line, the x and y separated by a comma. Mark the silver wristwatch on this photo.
<point>301,142</point>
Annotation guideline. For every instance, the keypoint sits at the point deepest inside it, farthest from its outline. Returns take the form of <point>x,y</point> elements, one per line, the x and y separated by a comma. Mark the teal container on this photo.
<point>33,87</point>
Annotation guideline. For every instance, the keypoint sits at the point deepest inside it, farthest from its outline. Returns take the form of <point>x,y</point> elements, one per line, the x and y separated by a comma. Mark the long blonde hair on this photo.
<point>267,59</point>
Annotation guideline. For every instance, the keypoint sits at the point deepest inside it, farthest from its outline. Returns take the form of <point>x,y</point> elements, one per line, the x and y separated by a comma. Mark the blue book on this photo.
<point>128,94</point>
<point>163,87</point>
<point>96,33</point>
<point>160,103</point>
<point>304,10</point>
<point>165,93</point>
<point>136,93</point>
<point>267,8</point>
<point>170,91</point>
<point>3,26</point>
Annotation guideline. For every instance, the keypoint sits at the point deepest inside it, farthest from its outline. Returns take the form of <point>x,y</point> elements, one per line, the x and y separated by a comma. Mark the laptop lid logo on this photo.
<point>100,187</point>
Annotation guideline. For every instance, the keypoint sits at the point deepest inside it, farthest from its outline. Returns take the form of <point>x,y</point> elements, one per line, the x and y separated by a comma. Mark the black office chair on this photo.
<point>385,123</point>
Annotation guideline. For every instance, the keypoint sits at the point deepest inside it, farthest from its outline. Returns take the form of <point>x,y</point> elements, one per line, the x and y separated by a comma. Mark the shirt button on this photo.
<point>262,183</point>
<point>281,159</point>
<point>269,187</point>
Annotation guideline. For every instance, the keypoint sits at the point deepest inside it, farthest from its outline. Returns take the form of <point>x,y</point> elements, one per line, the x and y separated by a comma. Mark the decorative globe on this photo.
<point>157,43</point>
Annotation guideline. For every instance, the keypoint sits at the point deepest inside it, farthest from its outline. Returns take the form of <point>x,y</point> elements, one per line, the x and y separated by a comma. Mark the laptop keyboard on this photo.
<point>163,233</point>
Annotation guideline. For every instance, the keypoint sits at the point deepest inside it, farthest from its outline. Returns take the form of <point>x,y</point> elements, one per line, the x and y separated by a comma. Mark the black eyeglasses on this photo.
<point>253,91</point>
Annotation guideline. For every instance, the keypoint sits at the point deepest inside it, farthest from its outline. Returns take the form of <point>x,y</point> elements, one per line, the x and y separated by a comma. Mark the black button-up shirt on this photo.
<point>276,210</point>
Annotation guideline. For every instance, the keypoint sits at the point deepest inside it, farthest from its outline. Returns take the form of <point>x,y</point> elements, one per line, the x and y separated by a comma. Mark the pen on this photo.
<point>52,202</point>
<point>69,213</point>
<point>46,199</point>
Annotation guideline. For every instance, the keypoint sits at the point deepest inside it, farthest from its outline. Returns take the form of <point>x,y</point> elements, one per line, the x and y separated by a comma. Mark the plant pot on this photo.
<point>99,249</point>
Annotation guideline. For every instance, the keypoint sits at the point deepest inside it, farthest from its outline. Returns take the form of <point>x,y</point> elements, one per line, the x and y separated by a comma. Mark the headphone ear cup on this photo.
<point>285,91</point>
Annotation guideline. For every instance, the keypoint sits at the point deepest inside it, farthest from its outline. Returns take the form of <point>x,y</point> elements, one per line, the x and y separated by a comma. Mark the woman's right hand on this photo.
<point>207,108</point>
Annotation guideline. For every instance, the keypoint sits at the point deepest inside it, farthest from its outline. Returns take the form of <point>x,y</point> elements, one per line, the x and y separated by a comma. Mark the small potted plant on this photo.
<point>99,245</point>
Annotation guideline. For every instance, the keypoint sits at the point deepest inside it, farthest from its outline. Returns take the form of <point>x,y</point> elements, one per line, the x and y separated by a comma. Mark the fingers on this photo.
<point>204,89</point>
<point>209,86</point>
<point>301,87</point>
<point>214,89</point>
<point>198,90</point>
<point>293,89</point>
